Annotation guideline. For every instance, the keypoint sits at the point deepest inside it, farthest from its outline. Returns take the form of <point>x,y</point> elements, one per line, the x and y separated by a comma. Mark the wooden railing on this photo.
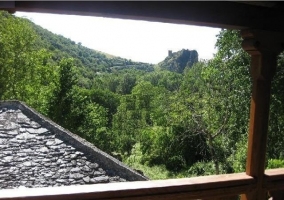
<point>274,183</point>
<point>227,186</point>
<point>263,46</point>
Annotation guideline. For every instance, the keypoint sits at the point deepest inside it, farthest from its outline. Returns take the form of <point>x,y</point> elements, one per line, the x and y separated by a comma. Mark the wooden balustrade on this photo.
<point>213,187</point>
<point>226,186</point>
<point>274,183</point>
<point>264,47</point>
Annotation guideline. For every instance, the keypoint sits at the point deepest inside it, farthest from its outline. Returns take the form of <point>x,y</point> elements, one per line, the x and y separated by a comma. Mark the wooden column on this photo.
<point>264,48</point>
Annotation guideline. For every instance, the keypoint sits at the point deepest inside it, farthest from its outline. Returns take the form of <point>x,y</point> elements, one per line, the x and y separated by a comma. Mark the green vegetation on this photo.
<point>178,61</point>
<point>89,62</point>
<point>181,118</point>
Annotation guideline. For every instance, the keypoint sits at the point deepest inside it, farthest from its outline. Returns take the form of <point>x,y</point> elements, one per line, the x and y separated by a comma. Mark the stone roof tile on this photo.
<point>36,152</point>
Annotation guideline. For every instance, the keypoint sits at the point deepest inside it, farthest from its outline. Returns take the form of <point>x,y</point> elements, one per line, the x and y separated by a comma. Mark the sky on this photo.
<point>141,41</point>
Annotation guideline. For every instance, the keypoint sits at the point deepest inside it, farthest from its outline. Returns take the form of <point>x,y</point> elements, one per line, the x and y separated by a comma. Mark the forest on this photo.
<point>182,117</point>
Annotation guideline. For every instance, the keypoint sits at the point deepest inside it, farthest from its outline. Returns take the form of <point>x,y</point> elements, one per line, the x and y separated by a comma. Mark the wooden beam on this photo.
<point>274,179</point>
<point>264,48</point>
<point>274,183</point>
<point>187,188</point>
<point>214,14</point>
<point>260,3</point>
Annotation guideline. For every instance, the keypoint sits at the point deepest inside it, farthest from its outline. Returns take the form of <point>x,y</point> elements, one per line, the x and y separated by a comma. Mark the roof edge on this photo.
<point>92,152</point>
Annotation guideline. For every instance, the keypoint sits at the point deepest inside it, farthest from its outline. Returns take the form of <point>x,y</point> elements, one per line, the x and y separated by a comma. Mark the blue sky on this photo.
<point>136,40</point>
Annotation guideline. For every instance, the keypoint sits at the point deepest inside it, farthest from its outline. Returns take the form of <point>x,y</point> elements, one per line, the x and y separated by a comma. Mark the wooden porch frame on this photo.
<point>262,44</point>
<point>216,186</point>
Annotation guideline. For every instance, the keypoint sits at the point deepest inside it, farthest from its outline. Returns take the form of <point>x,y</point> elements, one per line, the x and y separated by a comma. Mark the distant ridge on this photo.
<point>88,61</point>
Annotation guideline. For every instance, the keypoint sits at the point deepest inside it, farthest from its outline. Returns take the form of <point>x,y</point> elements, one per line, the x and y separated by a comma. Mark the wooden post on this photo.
<point>277,195</point>
<point>264,48</point>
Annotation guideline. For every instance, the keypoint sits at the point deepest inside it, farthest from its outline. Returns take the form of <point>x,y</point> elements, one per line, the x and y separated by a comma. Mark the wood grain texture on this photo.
<point>264,48</point>
<point>274,179</point>
<point>227,14</point>
<point>187,188</point>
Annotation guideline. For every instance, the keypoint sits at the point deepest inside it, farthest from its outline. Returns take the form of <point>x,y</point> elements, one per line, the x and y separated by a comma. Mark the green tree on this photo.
<point>16,57</point>
<point>224,105</point>
<point>133,114</point>
<point>60,105</point>
<point>26,72</point>
<point>163,78</point>
<point>93,126</point>
<point>127,83</point>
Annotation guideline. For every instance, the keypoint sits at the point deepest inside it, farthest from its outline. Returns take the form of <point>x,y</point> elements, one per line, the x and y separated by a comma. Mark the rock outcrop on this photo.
<point>178,61</point>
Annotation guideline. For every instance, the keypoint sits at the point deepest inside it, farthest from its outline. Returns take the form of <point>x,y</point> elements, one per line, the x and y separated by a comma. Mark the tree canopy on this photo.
<point>183,117</point>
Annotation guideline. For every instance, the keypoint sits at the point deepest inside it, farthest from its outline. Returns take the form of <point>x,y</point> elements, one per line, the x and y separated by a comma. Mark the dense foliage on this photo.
<point>180,118</point>
<point>88,62</point>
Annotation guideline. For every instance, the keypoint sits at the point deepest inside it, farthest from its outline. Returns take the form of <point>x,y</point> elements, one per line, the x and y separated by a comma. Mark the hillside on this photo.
<point>88,61</point>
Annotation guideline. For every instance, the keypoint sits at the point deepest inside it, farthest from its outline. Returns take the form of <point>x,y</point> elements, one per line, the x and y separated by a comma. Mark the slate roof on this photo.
<point>36,152</point>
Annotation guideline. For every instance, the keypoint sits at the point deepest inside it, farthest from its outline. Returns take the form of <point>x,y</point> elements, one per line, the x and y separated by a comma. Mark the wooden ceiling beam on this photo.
<point>230,15</point>
<point>269,4</point>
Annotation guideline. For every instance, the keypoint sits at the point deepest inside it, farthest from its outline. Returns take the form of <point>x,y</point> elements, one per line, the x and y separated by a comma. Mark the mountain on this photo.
<point>89,62</point>
<point>178,61</point>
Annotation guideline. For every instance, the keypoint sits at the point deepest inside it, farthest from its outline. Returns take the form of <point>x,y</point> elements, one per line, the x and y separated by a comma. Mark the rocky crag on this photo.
<point>178,61</point>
